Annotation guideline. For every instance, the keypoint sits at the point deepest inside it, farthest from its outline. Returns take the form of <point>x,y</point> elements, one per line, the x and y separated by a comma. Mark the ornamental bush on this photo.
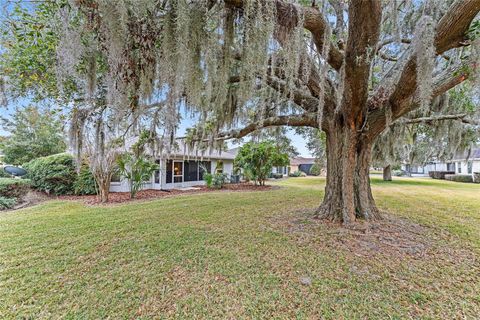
<point>53,174</point>
<point>315,169</point>
<point>459,177</point>
<point>440,174</point>
<point>13,188</point>
<point>258,159</point>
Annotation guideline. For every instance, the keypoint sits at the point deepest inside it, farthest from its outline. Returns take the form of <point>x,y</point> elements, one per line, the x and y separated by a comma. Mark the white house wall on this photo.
<point>123,185</point>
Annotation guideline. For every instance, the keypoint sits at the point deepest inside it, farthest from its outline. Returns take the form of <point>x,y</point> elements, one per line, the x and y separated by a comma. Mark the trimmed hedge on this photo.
<point>440,174</point>
<point>13,188</point>
<point>54,174</point>
<point>85,183</point>
<point>459,177</point>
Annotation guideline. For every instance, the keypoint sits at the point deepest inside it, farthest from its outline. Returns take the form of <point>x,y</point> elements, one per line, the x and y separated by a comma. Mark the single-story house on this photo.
<point>301,164</point>
<point>183,167</point>
<point>458,164</point>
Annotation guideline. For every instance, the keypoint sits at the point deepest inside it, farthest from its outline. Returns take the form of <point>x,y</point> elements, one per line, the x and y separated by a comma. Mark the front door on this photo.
<point>178,173</point>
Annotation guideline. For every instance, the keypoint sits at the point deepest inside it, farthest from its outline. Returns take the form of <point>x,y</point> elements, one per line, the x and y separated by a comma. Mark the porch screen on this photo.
<point>169,171</point>
<point>190,171</point>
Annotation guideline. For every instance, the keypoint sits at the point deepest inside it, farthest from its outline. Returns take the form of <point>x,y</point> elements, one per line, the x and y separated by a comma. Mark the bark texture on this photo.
<point>387,173</point>
<point>348,195</point>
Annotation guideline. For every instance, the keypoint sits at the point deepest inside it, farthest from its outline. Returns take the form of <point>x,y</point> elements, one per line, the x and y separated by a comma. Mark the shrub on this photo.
<point>85,182</point>
<point>277,175</point>
<point>3,174</point>
<point>398,173</point>
<point>440,174</point>
<point>53,174</point>
<point>7,203</point>
<point>295,174</point>
<point>136,168</point>
<point>208,178</point>
<point>13,188</point>
<point>259,158</point>
<point>459,177</point>
<point>315,170</point>
<point>218,180</point>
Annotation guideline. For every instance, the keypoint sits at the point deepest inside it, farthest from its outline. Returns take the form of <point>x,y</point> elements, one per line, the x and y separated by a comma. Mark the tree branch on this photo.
<point>301,120</point>
<point>442,83</point>
<point>459,116</point>
<point>451,33</point>
<point>363,33</point>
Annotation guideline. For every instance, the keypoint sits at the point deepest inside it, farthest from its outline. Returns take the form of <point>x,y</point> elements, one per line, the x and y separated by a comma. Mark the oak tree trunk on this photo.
<point>348,195</point>
<point>387,173</point>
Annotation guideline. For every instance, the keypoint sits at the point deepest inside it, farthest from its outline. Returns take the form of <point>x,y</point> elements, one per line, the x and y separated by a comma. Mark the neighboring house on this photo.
<point>301,164</point>
<point>182,168</point>
<point>283,170</point>
<point>459,164</point>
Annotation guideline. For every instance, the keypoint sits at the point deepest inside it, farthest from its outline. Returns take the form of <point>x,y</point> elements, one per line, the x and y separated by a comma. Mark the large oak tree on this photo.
<point>349,68</point>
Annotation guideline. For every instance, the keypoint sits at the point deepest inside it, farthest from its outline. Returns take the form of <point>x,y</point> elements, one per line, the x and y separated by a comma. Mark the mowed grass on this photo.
<point>241,255</point>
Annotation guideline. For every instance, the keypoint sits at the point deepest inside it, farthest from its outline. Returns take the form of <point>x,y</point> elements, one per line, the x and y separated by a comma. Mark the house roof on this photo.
<point>474,154</point>
<point>181,150</point>
<point>301,160</point>
<point>184,151</point>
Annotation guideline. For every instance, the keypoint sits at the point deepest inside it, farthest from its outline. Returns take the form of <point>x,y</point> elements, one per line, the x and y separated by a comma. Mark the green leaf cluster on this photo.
<point>258,159</point>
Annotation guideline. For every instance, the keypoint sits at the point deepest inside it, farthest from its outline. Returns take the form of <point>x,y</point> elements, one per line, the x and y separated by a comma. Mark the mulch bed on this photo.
<point>121,197</point>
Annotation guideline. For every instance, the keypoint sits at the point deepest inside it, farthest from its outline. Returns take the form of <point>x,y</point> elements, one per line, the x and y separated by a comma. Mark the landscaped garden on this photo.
<point>252,254</point>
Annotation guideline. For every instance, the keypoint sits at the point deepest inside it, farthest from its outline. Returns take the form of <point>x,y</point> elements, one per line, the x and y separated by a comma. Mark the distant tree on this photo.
<point>34,133</point>
<point>258,159</point>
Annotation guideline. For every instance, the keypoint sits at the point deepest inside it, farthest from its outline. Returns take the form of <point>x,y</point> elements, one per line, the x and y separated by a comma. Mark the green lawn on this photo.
<point>246,255</point>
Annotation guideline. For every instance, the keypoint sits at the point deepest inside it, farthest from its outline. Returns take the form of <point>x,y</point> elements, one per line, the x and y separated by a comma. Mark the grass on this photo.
<point>242,255</point>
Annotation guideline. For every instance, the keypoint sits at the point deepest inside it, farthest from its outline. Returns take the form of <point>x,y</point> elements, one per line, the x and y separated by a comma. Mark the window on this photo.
<point>116,177</point>
<point>459,166</point>
<point>219,167</point>
<point>469,167</point>
<point>451,166</point>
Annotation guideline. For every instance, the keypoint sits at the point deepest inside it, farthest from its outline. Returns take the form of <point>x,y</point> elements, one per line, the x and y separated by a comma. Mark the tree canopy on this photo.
<point>34,132</point>
<point>258,159</point>
<point>350,69</point>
